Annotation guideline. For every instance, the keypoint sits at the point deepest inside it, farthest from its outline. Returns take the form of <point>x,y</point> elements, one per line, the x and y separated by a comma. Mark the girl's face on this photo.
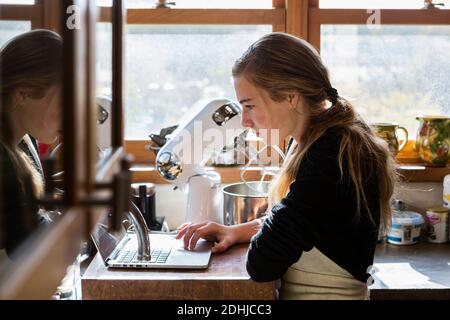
<point>41,118</point>
<point>259,111</point>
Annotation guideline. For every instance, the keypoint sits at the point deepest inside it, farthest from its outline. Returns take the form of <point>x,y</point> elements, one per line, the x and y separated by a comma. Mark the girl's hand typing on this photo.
<point>223,236</point>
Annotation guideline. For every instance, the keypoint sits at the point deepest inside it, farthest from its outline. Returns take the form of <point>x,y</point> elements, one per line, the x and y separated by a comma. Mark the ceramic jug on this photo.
<point>433,140</point>
<point>388,132</point>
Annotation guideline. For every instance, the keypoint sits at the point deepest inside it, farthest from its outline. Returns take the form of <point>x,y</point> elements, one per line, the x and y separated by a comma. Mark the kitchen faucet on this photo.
<point>142,233</point>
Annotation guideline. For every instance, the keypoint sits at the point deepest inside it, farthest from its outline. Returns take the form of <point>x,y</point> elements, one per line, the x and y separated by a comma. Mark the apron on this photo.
<point>316,277</point>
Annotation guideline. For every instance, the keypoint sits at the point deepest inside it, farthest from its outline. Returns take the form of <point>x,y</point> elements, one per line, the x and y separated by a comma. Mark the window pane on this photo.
<point>104,58</point>
<point>378,4</point>
<point>16,1</point>
<point>394,73</point>
<point>103,86</point>
<point>169,68</point>
<point>10,29</point>
<point>196,3</point>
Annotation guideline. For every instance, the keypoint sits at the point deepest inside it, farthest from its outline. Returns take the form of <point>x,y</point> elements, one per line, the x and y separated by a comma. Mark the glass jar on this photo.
<point>433,140</point>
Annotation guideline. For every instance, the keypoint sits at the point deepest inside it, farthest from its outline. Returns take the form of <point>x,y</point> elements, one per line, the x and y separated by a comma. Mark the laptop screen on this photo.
<point>105,239</point>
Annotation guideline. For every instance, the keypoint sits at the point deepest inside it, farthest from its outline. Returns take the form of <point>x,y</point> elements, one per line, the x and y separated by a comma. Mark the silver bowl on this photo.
<point>244,202</point>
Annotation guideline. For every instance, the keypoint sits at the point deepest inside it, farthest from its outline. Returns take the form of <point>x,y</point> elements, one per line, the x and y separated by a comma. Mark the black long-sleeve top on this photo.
<point>319,211</point>
<point>15,225</point>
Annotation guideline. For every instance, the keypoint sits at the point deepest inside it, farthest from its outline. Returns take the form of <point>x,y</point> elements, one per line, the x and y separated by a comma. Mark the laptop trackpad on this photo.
<point>198,258</point>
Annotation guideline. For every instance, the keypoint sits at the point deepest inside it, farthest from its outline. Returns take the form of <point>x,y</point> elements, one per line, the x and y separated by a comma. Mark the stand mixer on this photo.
<point>181,161</point>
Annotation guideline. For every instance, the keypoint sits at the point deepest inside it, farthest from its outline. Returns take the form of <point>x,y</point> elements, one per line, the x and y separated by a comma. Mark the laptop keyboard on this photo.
<point>130,256</point>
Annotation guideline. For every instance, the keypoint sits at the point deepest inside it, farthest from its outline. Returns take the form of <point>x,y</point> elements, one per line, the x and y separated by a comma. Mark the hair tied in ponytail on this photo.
<point>332,94</point>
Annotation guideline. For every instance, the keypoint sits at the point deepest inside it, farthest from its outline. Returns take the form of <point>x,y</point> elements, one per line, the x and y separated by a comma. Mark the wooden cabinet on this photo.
<point>89,188</point>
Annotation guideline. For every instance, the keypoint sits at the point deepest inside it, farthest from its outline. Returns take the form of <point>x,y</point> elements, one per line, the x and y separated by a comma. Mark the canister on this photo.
<point>437,222</point>
<point>446,191</point>
<point>405,228</point>
<point>143,195</point>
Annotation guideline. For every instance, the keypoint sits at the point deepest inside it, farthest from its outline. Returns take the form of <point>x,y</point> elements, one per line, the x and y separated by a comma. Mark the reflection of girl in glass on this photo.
<point>30,66</point>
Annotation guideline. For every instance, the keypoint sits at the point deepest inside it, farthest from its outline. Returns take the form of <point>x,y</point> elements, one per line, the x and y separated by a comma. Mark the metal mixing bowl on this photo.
<point>244,202</point>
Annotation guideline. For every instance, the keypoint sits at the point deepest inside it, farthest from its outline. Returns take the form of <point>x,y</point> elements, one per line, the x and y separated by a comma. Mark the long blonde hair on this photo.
<point>30,61</point>
<point>280,63</point>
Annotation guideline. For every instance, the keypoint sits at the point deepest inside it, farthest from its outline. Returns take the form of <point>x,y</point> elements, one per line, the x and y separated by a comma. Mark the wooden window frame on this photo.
<point>318,16</point>
<point>144,159</point>
<point>302,18</point>
<point>411,166</point>
<point>42,14</point>
<point>90,189</point>
<point>31,13</point>
<point>41,261</point>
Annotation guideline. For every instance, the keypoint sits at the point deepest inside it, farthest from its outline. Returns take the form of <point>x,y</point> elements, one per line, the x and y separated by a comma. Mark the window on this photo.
<point>377,4</point>
<point>10,29</point>
<point>28,2</point>
<point>18,11</point>
<point>104,58</point>
<point>393,73</point>
<point>179,57</point>
<point>196,3</point>
<point>381,58</point>
<point>170,68</point>
<point>168,54</point>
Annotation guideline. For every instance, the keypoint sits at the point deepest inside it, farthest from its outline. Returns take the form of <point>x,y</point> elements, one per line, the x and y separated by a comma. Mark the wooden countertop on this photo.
<point>226,278</point>
<point>420,271</point>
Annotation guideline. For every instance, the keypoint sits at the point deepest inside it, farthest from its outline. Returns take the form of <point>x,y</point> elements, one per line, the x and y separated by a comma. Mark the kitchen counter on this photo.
<point>226,278</point>
<point>420,271</point>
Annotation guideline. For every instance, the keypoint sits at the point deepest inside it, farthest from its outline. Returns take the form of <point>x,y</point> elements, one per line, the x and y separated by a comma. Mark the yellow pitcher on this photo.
<point>433,140</point>
<point>388,132</point>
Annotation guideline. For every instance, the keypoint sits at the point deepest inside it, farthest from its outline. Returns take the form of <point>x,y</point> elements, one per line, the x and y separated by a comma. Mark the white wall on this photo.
<point>170,204</point>
<point>421,195</point>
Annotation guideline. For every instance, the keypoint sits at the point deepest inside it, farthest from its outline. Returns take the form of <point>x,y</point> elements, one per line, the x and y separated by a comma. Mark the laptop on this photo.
<point>119,250</point>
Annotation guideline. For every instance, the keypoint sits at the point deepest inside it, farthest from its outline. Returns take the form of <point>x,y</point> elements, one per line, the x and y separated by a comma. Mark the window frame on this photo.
<point>26,12</point>
<point>319,16</point>
<point>41,14</point>
<point>48,252</point>
<point>275,16</point>
<point>302,18</point>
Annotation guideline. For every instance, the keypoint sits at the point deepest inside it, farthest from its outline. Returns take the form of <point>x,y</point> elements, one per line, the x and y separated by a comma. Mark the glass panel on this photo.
<point>10,29</point>
<point>169,68</point>
<point>104,84</point>
<point>378,4</point>
<point>16,1</point>
<point>196,3</point>
<point>30,68</point>
<point>394,73</point>
<point>104,58</point>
